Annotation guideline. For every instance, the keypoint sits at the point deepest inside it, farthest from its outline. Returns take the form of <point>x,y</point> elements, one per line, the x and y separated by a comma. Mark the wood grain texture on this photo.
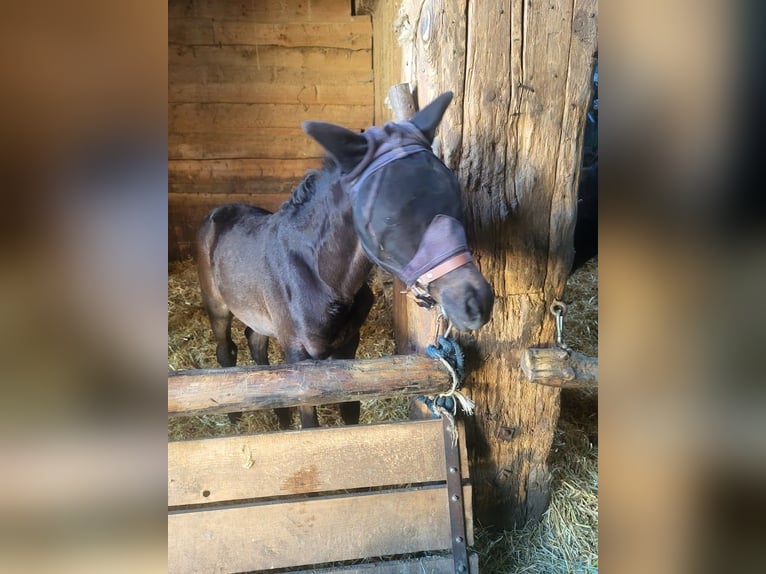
<point>266,143</point>
<point>310,59</point>
<point>525,72</point>
<point>186,211</point>
<point>318,530</point>
<point>275,190</point>
<point>353,33</point>
<point>360,94</point>
<point>401,102</point>
<point>262,10</point>
<point>425,565</point>
<point>556,367</point>
<point>209,117</point>
<point>245,169</point>
<point>328,74</point>
<point>190,205</point>
<point>440,66</point>
<point>299,462</point>
<point>524,93</point>
<point>386,56</point>
<point>242,76</point>
<point>305,383</point>
<point>289,532</point>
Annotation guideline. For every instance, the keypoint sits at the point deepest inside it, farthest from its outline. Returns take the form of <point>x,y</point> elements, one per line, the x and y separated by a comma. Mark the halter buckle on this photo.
<point>421,296</point>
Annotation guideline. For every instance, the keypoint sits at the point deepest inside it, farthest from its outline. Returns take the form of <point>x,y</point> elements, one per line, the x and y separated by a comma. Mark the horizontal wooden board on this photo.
<point>307,461</point>
<point>311,531</point>
<point>207,391</point>
<point>256,187</point>
<point>424,565</point>
<point>270,93</point>
<point>186,211</point>
<point>262,10</point>
<point>267,57</point>
<point>211,117</point>
<point>206,171</point>
<point>354,33</point>
<point>245,74</point>
<point>180,203</point>
<point>286,143</point>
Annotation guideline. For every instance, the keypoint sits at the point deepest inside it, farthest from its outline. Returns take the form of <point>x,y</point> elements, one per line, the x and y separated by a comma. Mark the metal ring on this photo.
<point>558,308</point>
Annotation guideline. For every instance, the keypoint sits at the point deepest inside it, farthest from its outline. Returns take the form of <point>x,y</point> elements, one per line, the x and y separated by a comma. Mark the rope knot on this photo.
<point>448,351</point>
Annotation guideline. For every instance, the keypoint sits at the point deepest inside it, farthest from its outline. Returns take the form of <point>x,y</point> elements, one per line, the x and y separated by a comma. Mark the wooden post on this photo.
<point>521,76</point>
<point>401,102</point>
<point>557,367</point>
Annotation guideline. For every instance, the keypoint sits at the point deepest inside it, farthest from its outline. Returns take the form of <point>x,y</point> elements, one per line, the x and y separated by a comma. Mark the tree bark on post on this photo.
<point>521,74</point>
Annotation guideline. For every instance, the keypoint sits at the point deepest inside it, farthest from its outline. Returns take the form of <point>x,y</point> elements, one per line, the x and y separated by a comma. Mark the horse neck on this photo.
<point>342,262</point>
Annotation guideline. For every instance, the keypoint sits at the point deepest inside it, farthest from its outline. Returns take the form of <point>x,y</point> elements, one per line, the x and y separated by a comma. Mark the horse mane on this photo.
<point>310,183</point>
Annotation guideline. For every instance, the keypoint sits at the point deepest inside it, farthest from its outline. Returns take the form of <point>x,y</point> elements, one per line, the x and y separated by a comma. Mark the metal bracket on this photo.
<point>455,497</point>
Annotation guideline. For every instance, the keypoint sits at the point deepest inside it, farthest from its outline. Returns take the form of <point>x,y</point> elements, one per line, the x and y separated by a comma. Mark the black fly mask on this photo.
<point>407,208</point>
<point>430,203</point>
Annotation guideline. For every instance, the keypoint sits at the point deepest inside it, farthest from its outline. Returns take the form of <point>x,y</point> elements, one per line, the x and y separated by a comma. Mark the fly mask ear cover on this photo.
<point>443,245</point>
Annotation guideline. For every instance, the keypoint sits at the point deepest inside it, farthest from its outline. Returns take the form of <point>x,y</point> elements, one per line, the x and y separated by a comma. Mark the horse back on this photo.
<point>212,238</point>
<point>222,220</point>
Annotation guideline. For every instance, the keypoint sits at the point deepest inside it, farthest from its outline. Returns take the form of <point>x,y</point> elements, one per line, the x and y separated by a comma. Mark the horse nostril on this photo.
<point>481,303</point>
<point>472,306</point>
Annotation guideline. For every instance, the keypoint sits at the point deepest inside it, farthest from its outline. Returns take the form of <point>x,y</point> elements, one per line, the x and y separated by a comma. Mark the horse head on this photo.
<point>408,212</point>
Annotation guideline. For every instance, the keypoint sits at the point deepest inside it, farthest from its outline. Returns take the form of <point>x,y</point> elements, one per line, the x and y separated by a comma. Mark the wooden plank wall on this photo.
<point>387,27</point>
<point>242,76</point>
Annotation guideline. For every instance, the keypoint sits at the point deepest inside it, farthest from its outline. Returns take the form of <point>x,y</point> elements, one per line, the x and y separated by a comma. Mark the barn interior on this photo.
<point>242,77</point>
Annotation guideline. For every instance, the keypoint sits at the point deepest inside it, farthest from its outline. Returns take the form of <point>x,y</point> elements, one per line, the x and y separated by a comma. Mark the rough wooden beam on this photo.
<point>401,102</point>
<point>211,391</point>
<point>521,72</point>
<point>556,367</point>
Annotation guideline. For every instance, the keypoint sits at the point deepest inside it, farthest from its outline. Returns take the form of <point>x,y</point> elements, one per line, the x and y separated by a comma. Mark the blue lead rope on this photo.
<point>450,354</point>
<point>451,351</point>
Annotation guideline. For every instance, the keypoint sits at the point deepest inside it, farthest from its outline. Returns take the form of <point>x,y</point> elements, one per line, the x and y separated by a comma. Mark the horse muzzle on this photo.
<point>465,296</point>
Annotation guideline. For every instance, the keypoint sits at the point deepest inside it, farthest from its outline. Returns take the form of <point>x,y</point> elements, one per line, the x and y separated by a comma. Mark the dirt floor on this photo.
<point>566,541</point>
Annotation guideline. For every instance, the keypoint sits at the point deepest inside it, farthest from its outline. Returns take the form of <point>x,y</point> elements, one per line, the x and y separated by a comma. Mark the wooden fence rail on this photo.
<point>212,391</point>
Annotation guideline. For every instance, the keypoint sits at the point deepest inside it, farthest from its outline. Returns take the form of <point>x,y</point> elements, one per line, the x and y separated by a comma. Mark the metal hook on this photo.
<point>441,319</point>
<point>558,309</point>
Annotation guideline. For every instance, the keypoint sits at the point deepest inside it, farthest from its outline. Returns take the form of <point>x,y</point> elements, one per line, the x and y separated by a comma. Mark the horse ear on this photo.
<point>347,148</point>
<point>427,119</point>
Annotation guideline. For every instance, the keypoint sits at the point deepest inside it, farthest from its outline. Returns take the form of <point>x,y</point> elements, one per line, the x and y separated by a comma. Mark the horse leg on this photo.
<point>309,418</point>
<point>349,412</point>
<point>220,322</point>
<point>308,414</point>
<point>226,350</point>
<point>259,351</point>
<point>284,417</point>
<point>259,346</point>
<point>217,310</point>
<point>363,302</point>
